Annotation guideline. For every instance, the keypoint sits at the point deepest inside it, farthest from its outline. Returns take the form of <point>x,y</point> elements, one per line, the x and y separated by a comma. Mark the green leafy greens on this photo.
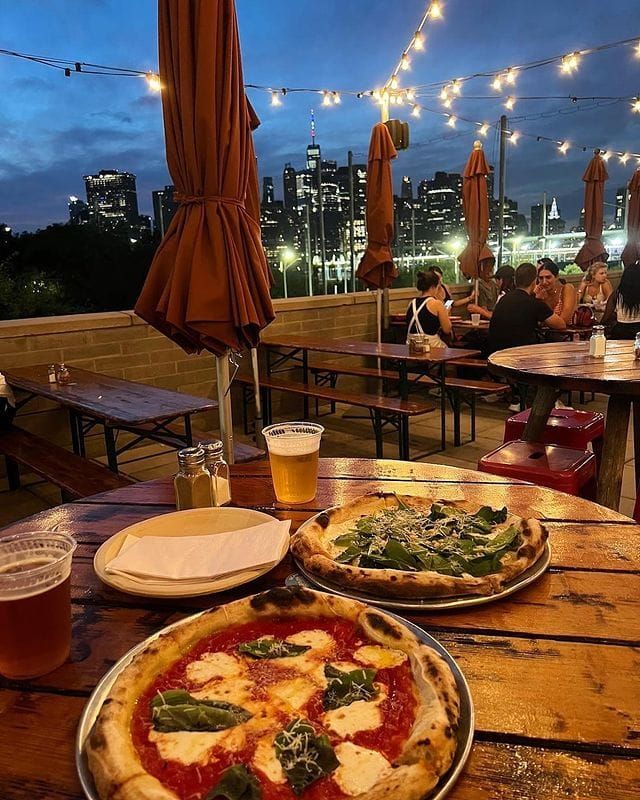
<point>236,783</point>
<point>271,648</point>
<point>344,688</point>
<point>177,710</point>
<point>445,539</point>
<point>305,757</point>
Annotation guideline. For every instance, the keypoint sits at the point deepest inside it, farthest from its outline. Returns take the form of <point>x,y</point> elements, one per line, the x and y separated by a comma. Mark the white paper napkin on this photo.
<point>191,558</point>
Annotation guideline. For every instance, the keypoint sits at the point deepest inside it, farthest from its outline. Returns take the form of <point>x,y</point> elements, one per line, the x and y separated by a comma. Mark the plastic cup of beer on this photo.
<point>475,320</point>
<point>35,603</point>
<point>293,455</point>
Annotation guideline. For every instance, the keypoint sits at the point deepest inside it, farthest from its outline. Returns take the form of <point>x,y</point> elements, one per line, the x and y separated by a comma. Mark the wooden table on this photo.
<point>554,670</point>
<point>115,404</point>
<point>285,352</point>
<point>567,366</point>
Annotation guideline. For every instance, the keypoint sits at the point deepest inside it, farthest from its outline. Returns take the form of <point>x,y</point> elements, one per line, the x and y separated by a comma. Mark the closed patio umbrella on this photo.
<point>476,260</point>
<point>208,285</point>
<point>631,252</point>
<point>594,179</point>
<point>376,268</point>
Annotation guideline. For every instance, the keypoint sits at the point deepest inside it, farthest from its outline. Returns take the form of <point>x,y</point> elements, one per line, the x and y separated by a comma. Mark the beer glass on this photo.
<point>293,455</point>
<point>475,320</point>
<point>35,603</point>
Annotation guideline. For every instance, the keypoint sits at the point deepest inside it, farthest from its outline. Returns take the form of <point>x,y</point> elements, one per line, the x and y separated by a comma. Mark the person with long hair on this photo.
<point>560,297</point>
<point>596,287</point>
<point>444,294</point>
<point>622,315</point>
<point>427,313</point>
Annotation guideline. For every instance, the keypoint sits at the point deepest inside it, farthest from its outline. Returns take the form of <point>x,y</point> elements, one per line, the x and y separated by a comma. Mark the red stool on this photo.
<point>566,427</point>
<point>570,471</point>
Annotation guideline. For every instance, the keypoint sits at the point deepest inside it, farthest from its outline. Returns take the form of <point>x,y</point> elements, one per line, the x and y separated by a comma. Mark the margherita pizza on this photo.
<point>401,546</point>
<point>287,694</point>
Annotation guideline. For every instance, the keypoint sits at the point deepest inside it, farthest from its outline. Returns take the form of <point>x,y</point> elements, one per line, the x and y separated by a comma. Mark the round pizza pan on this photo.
<point>428,603</point>
<point>464,734</point>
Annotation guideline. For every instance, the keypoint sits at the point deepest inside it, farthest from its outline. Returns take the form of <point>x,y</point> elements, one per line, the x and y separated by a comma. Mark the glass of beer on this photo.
<point>35,603</point>
<point>293,455</point>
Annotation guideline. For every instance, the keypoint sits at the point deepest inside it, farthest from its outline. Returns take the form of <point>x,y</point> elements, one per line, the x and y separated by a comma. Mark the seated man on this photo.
<point>517,316</point>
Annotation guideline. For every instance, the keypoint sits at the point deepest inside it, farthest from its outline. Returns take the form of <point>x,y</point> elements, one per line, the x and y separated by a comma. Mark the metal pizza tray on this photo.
<point>307,579</point>
<point>464,733</point>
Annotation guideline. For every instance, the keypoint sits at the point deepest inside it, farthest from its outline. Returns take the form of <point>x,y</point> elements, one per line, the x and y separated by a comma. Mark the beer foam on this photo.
<point>293,439</point>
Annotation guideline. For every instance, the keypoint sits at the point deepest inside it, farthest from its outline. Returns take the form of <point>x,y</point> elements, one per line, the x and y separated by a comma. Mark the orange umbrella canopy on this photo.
<point>208,285</point>
<point>476,260</point>
<point>594,179</point>
<point>631,252</point>
<point>376,267</point>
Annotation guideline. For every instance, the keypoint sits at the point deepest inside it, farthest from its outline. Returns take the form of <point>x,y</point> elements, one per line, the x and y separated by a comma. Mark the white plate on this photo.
<point>195,522</point>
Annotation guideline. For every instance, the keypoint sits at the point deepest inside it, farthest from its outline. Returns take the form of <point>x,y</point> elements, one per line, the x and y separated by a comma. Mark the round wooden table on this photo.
<point>567,366</point>
<point>554,670</point>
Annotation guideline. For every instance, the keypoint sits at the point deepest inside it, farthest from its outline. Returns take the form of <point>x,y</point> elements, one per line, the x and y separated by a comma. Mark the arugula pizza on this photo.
<point>287,694</point>
<point>402,546</point>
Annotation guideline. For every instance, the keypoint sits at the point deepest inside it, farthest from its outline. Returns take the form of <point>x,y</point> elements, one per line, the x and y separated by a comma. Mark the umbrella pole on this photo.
<point>224,406</point>
<point>379,320</point>
<point>255,369</point>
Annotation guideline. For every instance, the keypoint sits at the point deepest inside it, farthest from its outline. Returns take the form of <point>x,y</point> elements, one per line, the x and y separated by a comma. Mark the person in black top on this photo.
<point>516,317</point>
<point>427,314</point>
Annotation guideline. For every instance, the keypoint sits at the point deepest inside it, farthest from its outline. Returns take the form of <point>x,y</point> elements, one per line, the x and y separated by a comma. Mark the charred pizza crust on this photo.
<point>310,546</point>
<point>427,754</point>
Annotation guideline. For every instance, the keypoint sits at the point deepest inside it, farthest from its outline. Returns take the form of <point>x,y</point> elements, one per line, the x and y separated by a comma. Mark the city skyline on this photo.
<point>56,129</point>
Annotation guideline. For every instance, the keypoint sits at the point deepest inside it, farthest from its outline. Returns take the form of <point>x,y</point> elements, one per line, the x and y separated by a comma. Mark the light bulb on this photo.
<point>326,98</point>
<point>570,63</point>
<point>484,129</point>
<point>638,50</point>
<point>435,12</point>
<point>455,86</point>
<point>336,98</point>
<point>418,40</point>
<point>624,158</point>
<point>451,122</point>
<point>444,93</point>
<point>635,106</point>
<point>606,155</point>
<point>399,99</point>
<point>410,94</point>
<point>510,103</point>
<point>563,147</point>
<point>514,137</point>
<point>404,62</point>
<point>275,99</point>
<point>393,99</point>
<point>153,81</point>
<point>376,95</point>
<point>497,84</point>
<point>415,111</point>
<point>447,103</point>
<point>511,76</point>
<point>394,82</point>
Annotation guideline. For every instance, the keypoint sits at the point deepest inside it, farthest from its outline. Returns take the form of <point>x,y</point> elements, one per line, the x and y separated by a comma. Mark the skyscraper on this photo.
<point>552,222</point>
<point>78,211</point>
<point>112,198</point>
<point>289,187</point>
<point>443,205</point>
<point>268,193</point>
<point>621,208</point>
<point>406,189</point>
<point>164,207</point>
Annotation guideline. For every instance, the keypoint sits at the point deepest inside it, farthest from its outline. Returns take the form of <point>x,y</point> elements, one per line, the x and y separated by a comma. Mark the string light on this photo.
<point>635,106</point>
<point>376,95</point>
<point>569,63</point>
<point>447,103</point>
<point>336,98</point>
<point>510,103</point>
<point>394,82</point>
<point>514,137</point>
<point>153,81</point>
<point>326,98</point>
<point>405,63</point>
<point>563,147</point>
<point>455,87</point>
<point>496,85</point>
<point>451,122</point>
<point>606,155</point>
<point>393,99</point>
<point>435,12</point>
<point>410,94</point>
<point>638,50</point>
<point>484,129</point>
<point>624,158</point>
<point>511,75</point>
<point>444,93</point>
<point>415,111</point>
<point>275,99</point>
<point>418,40</point>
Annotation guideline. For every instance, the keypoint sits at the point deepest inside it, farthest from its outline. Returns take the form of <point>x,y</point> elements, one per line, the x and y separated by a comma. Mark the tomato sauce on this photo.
<point>193,782</point>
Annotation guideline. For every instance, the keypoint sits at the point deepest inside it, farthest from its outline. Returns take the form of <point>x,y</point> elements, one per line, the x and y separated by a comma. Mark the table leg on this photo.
<point>543,404</point>
<point>443,407</point>
<point>614,451</point>
<point>636,440</point>
<point>188,433</point>
<point>403,382</point>
<point>110,445</point>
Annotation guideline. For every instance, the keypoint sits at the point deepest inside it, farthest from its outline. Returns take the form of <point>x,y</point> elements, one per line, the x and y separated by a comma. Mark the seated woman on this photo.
<point>596,287</point>
<point>427,314</point>
<point>560,297</point>
<point>444,294</point>
<point>622,315</point>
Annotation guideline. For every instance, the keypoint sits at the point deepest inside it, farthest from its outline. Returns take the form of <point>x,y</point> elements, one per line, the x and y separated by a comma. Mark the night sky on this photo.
<point>53,129</point>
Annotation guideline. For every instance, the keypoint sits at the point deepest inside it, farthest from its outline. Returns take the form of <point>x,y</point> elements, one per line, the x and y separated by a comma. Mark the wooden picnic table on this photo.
<point>554,670</point>
<point>113,403</point>
<point>567,366</point>
<point>432,364</point>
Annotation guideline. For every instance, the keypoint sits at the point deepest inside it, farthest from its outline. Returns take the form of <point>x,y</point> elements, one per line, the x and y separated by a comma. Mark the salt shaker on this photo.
<point>218,468</point>
<point>597,342</point>
<point>52,373</point>
<point>192,484</point>
<point>636,347</point>
<point>63,375</point>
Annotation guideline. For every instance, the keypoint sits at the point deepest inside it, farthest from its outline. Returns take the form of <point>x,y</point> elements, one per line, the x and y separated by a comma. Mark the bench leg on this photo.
<point>472,407</point>
<point>376,419</point>
<point>455,404</point>
<point>188,433</point>
<point>75,424</point>
<point>305,372</point>
<point>110,445</point>
<point>403,437</point>
<point>13,473</point>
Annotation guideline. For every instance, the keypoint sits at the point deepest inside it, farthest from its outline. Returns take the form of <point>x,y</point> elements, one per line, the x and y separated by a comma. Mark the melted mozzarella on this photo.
<point>379,657</point>
<point>360,768</point>
<point>214,665</point>
<point>295,692</point>
<point>232,690</point>
<point>363,715</point>
<point>266,761</point>
<point>315,638</point>
<point>191,747</point>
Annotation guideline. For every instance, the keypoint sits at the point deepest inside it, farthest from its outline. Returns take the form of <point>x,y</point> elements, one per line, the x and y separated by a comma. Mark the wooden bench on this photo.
<point>459,390</point>
<point>383,410</point>
<point>75,476</point>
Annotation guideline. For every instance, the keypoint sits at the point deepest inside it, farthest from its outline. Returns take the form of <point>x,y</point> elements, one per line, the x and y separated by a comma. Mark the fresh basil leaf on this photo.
<point>484,565</point>
<point>346,540</point>
<point>271,648</point>
<point>503,539</point>
<point>236,783</point>
<point>176,710</point>
<point>349,556</point>
<point>396,552</point>
<point>488,514</point>
<point>344,688</point>
<point>305,757</point>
